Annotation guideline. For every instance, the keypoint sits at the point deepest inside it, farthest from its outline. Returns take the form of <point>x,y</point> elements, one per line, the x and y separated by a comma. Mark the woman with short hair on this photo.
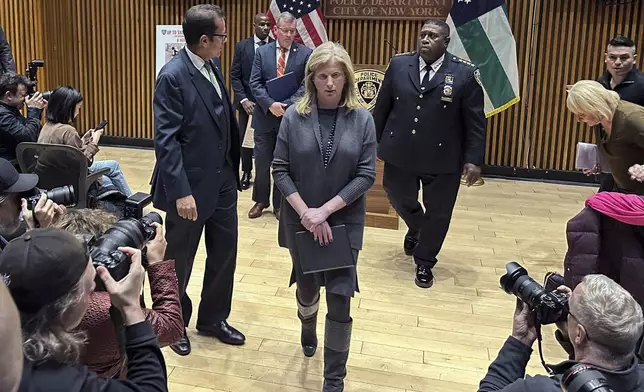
<point>324,164</point>
<point>63,107</point>
<point>623,122</point>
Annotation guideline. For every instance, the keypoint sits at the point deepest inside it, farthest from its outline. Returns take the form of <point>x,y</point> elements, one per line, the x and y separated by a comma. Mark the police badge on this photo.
<point>448,88</point>
<point>368,83</point>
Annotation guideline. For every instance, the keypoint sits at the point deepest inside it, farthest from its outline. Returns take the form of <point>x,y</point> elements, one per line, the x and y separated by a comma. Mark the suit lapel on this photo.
<point>439,76</point>
<point>272,59</point>
<point>414,71</point>
<point>291,57</point>
<point>250,50</point>
<point>205,89</point>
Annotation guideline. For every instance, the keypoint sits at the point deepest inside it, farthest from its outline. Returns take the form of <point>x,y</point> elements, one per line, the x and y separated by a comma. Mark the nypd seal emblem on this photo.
<point>368,83</point>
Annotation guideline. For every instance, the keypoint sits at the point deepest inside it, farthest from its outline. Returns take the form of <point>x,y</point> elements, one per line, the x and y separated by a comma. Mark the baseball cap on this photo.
<point>41,266</point>
<point>12,181</point>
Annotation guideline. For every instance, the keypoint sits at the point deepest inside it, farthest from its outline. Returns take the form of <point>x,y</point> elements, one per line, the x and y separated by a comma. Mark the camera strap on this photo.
<point>548,368</point>
<point>119,330</point>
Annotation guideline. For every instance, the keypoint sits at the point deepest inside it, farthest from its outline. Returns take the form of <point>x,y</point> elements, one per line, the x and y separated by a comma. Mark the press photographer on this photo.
<point>102,354</point>
<point>17,214</point>
<point>604,324</point>
<point>14,127</point>
<point>50,275</point>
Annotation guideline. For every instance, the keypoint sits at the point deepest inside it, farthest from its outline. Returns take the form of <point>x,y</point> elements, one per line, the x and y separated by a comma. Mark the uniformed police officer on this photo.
<point>430,126</point>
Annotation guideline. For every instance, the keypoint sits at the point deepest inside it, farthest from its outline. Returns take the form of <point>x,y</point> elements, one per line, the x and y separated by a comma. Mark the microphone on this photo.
<point>391,46</point>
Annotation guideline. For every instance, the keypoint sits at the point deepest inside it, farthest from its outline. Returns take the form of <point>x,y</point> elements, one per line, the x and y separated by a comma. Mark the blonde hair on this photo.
<point>590,97</point>
<point>322,55</point>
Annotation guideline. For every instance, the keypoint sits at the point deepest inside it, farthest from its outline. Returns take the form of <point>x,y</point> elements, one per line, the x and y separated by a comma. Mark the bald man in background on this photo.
<point>10,341</point>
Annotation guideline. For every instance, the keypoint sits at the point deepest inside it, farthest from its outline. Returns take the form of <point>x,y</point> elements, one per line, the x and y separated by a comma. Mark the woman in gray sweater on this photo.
<point>324,163</point>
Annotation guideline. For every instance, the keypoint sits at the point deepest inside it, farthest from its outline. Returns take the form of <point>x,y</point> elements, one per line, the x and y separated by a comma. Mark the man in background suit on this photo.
<point>275,59</point>
<point>7,64</point>
<point>240,78</point>
<point>196,178</point>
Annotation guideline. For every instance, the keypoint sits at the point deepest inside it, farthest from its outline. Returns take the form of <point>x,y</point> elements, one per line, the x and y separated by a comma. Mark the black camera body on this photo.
<point>549,306</point>
<point>64,195</point>
<point>129,232</point>
<point>32,75</point>
<point>584,378</point>
<point>135,204</point>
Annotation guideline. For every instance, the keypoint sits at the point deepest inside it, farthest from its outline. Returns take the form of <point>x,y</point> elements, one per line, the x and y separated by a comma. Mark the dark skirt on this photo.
<point>342,281</point>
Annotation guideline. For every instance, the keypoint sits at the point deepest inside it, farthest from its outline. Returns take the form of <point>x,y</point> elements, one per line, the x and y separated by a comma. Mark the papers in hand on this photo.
<point>249,136</point>
<point>283,87</point>
<point>587,156</point>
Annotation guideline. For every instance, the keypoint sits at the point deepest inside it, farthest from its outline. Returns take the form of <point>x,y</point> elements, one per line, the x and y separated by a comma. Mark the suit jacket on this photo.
<point>433,130</point>
<point>298,166</point>
<point>193,129</point>
<point>7,64</point>
<point>265,69</point>
<point>242,68</point>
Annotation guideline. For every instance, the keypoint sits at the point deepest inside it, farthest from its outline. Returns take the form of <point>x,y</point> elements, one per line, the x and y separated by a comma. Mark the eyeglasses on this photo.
<point>287,31</point>
<point>578,322</point>
<point>224,37</point>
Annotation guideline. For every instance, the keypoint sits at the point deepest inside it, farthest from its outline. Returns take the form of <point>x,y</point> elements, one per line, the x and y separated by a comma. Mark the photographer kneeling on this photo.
<point>14,209</point>
<point>604,324</point>
<point>50,275</point>
<point>102,353</point>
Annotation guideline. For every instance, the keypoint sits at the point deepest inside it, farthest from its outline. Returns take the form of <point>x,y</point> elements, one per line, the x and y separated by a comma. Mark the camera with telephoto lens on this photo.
<point>584,378</point>
<point>549,306</point>
<point>133,233</point>
<point>32,75</point>
<point>64,196</point>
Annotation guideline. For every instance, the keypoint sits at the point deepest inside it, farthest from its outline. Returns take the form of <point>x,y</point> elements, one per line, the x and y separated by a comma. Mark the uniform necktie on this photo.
<point>281,62</point>
<point>425,80</point>
<point>213,78</point>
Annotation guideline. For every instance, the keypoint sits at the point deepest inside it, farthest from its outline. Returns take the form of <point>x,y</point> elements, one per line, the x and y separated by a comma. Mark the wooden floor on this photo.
<point>404,338</point>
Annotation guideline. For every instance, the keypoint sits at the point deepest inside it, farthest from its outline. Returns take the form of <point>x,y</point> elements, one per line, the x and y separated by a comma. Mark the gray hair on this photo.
<point>286,17</point>
<point>610,315</point>
<point>45,337</point>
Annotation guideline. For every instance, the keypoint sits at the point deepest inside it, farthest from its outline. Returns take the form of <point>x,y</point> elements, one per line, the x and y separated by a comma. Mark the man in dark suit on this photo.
<point>240,78</point>
<point>430,126</point>
<point>275,59</point>
<point>196,177</point>
<point>623,77</point>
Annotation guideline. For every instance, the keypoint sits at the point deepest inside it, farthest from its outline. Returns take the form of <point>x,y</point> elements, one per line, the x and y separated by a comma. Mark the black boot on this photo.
<point>309,317</point>
<point>337,339</point>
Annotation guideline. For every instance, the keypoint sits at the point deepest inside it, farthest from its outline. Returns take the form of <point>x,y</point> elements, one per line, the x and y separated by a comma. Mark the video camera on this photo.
<point>128,232</point>
<point>32,74</point>
<point>584,378</point>
<point>64,195</point>
<point>549,306</point>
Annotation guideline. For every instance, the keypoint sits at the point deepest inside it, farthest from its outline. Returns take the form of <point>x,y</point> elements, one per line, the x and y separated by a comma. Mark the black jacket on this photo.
<point>195,136</point>
<point>146,371</point>
<point>433,130</point>
<point>631,89</point>
<point>241,69</point>
<point>7,64</point>
<point>15,129</point>
<point>507,373</point>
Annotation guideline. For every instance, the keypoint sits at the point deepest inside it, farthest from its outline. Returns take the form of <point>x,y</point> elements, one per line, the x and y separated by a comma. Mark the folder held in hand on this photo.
<point>281,88</point>
<point>587,156</point>
<point>316,258</point>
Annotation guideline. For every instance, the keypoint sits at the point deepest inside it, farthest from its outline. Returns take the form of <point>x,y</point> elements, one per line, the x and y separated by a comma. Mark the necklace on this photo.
<point>326,151</point>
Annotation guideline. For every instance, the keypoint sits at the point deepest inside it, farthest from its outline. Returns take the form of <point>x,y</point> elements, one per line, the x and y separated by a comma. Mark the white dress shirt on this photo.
<point>205,70</point>
<point>257,41</point>
<point>432,69</point>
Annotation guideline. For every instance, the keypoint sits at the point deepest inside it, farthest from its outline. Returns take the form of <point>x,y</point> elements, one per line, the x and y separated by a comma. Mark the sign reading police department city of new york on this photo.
<point>368,83</point>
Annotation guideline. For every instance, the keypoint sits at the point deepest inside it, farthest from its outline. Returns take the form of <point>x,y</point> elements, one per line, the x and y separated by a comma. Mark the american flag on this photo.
<point>310,20</point>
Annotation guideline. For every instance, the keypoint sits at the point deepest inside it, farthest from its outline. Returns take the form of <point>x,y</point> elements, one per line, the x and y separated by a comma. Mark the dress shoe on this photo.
<point>182,347</point>
<point>410,244</point>
<point>245,181</point>
<point>424,277</point>
<point>257,210</point>
<point>276,211</point>
<point>223,332</point>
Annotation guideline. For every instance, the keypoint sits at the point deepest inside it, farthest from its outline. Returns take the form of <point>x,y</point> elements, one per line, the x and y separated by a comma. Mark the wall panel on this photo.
<point>105,48</point>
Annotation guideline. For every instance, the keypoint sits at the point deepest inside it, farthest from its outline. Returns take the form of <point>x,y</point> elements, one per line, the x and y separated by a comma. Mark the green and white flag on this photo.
<point>481,33</point>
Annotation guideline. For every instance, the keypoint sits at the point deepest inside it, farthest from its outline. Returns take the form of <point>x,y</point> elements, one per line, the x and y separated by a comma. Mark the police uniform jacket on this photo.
<point>435,129</point>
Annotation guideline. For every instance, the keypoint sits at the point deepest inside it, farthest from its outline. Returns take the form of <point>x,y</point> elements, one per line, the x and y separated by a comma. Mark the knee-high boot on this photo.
<point>309,317</point>
<point>337,339</point>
